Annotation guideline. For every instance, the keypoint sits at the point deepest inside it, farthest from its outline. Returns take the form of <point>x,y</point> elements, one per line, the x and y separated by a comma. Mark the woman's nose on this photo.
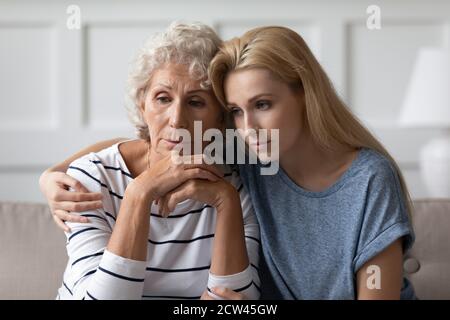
<point>178,116</point>
<point>250,128</point>
<point>249,123</point>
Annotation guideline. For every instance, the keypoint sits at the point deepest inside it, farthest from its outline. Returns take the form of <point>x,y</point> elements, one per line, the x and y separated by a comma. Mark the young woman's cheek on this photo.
<point>238,124</point>
<point>269,119</point>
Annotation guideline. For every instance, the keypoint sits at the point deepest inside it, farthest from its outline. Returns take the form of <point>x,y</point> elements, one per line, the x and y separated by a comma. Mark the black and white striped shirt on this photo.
<point>179,247</point>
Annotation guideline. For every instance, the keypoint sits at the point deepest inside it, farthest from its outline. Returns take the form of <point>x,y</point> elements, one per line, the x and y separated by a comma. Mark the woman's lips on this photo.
<point>259,143</point>
<point>171,143</point>
<point>260,146</point>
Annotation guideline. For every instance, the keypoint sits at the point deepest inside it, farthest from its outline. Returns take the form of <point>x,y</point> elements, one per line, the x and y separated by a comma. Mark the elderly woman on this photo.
<point>128,249</point>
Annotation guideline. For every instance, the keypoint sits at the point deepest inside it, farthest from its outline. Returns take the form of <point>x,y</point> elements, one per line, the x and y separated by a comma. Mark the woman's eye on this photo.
<point>263,105</point>
<point>163,99</point>
<point>196,103</point>
<point>235,112</point>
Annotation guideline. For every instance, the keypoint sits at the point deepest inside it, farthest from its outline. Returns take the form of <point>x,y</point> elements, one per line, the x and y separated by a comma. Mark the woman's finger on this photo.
<point>71,182</point>
<point>197,161</point>
<point>64,195</point>
<point>77,206</point>
<point>175,198</point>
<point>60,224</point>
<point>179,194</point>
<point>206,296</point>
<point>195,189</point>
<point>175,180</point>
<point>227,294</point>
<point>160,205</point>
<point>66,216</point>
<point>197,173</point>
<point>163,210</point>
<point>208,167</point>
<point>165,207</point>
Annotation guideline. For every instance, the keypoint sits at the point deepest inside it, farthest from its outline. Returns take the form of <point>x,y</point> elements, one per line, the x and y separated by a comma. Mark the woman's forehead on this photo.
<point>174,78</point>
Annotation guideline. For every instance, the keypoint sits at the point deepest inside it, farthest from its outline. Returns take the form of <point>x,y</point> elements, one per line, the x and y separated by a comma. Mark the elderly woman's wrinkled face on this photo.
<point>174,101</point>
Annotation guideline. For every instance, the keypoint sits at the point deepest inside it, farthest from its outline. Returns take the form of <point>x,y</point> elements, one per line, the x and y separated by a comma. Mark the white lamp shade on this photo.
<point>427,101</point>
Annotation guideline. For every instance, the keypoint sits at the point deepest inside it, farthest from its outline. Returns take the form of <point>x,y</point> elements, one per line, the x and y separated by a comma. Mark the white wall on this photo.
<point>63,89</point>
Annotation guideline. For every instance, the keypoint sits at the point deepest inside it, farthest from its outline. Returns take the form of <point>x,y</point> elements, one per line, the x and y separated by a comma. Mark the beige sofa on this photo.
<point>33,257</point>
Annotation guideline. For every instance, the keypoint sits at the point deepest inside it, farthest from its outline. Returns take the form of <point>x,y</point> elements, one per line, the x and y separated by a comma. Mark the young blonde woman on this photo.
<point>335,219</point>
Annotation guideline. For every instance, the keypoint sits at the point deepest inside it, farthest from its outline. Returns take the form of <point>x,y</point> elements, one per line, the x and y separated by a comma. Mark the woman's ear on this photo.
<point>141,100</point>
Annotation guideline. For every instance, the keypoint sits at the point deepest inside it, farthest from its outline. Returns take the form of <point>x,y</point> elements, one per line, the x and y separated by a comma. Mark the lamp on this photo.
<point>427,105</point>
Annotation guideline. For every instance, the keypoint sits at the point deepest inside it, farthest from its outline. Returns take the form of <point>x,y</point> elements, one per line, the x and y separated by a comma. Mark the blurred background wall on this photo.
<point>62,89</point>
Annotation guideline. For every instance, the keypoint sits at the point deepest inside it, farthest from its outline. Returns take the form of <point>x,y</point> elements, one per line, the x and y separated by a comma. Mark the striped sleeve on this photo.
<point>247,281</point>
<point>93,272</point>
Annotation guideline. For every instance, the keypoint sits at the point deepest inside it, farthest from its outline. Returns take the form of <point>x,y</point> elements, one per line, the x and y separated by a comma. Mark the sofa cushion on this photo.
<point>32,252</point>
<point>427,264</point>
<point>33,255</point>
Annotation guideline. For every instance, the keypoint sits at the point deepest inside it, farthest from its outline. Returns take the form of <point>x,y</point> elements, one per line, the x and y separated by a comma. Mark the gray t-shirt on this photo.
<point>313,243</point>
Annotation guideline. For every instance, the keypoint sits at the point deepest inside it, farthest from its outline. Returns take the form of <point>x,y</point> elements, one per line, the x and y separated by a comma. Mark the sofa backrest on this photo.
<point>33,255</point>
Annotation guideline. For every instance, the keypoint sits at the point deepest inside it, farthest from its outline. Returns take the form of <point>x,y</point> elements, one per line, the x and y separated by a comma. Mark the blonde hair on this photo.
<point>284,52</point>
<point>190,44</point>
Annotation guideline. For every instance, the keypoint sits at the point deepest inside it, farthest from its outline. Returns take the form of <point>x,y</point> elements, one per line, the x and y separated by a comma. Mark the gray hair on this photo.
<point>193,45</point>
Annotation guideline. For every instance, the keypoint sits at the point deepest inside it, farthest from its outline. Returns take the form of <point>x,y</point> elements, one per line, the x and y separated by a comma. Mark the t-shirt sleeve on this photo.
<point>92,271</point>
<point>385,216</point>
